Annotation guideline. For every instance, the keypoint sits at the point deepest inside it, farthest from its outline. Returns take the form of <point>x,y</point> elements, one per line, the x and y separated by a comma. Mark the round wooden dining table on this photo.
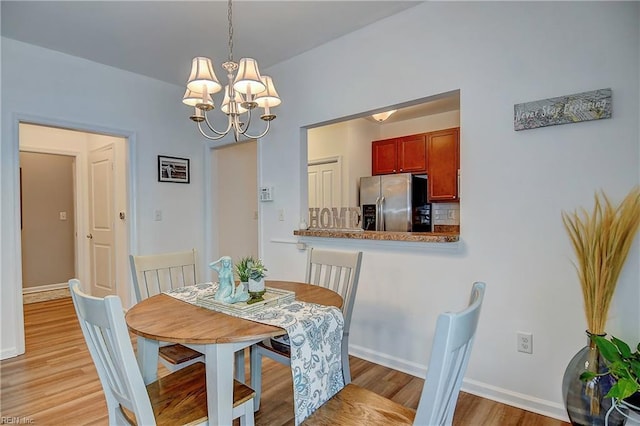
<point>218,336</point>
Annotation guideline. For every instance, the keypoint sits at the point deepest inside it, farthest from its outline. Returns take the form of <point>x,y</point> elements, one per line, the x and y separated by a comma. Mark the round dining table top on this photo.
<point>165,318</point>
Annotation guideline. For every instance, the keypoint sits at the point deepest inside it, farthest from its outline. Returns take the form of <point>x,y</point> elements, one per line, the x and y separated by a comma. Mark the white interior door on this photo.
<point>325,182</point>
<point>102,256</point>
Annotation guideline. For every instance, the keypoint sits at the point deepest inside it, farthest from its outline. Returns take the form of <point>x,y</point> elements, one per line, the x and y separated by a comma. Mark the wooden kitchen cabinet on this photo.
<point>443,154</point>
<point>384,155</point>
<point>406,154</point>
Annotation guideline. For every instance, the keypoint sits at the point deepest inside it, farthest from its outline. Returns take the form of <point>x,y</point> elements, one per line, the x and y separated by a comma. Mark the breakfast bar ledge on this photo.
<point>421,237</point>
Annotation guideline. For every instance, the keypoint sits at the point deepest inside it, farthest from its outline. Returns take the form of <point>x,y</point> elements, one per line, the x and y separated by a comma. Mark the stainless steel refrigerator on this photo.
<point>385,202</point>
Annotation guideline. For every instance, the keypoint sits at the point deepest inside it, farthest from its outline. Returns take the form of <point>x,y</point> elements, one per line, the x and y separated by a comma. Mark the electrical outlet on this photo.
<point>525,342</point>
<point>157,215</point>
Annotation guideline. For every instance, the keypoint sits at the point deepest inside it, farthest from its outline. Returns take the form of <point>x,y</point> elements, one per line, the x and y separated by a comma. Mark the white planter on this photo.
<point>256,286</point>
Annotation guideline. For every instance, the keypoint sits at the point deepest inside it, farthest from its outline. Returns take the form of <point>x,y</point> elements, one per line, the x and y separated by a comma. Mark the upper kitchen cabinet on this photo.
<point>443,153</point>
<point>384,156</point>
<point>406,154</point>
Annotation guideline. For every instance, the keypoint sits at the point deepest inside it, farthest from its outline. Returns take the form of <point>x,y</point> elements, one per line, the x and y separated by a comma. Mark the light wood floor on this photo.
<point>55,382</point>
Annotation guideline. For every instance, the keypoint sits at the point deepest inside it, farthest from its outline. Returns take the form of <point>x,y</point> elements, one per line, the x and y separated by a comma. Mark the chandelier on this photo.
<point>246,90</point>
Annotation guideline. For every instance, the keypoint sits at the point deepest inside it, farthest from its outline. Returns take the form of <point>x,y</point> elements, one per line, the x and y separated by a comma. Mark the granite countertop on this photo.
<point>424,237</point>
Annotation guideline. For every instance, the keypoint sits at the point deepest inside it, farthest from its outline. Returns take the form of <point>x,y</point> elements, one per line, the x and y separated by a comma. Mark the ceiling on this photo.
<point>158,39</point>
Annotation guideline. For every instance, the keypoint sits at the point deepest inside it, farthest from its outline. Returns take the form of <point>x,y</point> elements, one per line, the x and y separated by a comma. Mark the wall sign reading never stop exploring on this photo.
<point>585,106</point>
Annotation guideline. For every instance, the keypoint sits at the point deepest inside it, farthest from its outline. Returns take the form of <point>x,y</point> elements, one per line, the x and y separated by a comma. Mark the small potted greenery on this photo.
<point>256,272</point>
<point>623,365</point>
<point>242,269</point>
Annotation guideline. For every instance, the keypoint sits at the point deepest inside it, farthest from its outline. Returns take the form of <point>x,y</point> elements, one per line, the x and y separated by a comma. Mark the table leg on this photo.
<point>219,368</point>
<point>239,364</point>
<point>148,359</point>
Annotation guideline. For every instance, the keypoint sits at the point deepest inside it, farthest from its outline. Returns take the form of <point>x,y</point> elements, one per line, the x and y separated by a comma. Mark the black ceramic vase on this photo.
<point>585,401</point>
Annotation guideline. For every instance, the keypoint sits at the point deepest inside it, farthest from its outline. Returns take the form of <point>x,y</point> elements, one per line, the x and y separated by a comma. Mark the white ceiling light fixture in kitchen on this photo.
<point>383,115</point>
<point>246,90</point>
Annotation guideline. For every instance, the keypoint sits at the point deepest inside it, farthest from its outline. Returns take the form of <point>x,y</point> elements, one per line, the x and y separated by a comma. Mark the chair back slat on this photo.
<point>450,354</point>
<point>338,271</point>
<point>105,332</point>
<point>154,274</point>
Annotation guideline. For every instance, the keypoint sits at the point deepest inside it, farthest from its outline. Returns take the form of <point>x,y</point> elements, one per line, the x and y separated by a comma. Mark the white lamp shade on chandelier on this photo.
<point>245,91</point>
<point>269,98</point>
<point>248,78</point>
<point>203,78</point>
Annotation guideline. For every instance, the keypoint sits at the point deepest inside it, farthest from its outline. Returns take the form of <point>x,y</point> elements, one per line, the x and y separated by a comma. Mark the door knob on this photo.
<point>89,236</point>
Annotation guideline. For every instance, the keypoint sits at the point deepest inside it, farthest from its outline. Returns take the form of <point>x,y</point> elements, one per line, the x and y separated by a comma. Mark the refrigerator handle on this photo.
<point>377,213</point>
<point>382,226</point>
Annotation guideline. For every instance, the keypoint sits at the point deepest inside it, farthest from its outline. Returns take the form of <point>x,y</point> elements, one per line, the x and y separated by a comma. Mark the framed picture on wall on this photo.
<point>173,169</point>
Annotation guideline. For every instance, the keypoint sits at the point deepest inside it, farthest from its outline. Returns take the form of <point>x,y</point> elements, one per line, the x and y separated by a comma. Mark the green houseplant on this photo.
<point>621,363</point>
<point>256,269</point>
<point>243,268</point>
<point>256,272</point>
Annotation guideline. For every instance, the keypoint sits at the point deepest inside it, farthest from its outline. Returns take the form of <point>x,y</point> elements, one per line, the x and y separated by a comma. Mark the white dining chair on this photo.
<point>156,273</point>
<point>450,353</point>
<point>179,398</point>
<point>336,270</point>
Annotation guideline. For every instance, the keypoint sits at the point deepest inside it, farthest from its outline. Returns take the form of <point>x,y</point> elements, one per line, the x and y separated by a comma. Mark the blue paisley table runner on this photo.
<point>315,335</point>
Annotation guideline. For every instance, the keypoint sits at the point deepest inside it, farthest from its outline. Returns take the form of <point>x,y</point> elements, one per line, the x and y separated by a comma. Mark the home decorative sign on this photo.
<point>345,218</point>
<point>575,108</point>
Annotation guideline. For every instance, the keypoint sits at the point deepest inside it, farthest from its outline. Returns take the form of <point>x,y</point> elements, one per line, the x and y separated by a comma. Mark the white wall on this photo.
<point>147,111</point>
<point>514,184</point>
<point>360,134</point>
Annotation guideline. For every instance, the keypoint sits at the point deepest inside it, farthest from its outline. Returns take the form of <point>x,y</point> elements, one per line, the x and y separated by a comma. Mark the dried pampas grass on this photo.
<point>601,241</point>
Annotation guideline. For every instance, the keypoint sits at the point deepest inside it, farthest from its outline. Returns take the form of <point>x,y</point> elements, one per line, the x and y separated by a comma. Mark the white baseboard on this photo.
<point>28,290</point>
<point>484,390</point>
<point>516,399</point>
<point>388,361</point>
<point>9,353</point>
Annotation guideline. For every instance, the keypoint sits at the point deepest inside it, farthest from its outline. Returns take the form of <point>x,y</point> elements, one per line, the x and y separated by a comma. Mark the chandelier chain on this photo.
<point>230,18</point>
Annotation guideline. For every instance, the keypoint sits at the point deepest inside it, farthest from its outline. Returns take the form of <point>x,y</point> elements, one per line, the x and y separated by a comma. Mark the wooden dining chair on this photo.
<point>153,274</point>
<point>449,358</point>
<point>180,398</point>
<point>336,270</point>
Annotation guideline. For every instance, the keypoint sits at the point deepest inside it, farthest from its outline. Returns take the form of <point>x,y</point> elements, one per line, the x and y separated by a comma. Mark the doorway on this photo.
<point>235,200</point>
<point>47,207</point>
<point>99,163</point>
